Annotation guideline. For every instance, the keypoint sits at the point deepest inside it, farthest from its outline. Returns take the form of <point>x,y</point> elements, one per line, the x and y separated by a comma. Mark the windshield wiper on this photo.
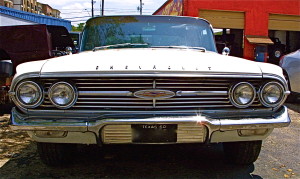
<point>181,47</point>
<point>121,45</point>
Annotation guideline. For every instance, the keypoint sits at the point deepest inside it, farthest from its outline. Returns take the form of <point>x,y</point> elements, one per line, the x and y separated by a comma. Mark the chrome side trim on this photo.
<point>201,93</point>
<point>22,77</point>
<point>276,77</point>
<point>98,113</point>
<point>105,93</point>
<point>149,74</point>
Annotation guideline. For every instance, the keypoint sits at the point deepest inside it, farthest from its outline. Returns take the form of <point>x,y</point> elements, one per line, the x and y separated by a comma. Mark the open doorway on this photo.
<point>284,42</point>
<point>231,38</point>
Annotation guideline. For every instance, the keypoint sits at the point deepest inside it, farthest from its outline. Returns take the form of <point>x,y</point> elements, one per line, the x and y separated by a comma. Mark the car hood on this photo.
<point>153,60</point>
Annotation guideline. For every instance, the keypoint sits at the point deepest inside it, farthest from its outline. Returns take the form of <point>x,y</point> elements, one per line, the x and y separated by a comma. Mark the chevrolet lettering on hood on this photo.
<point>154,67</point>
<point>148,80</point>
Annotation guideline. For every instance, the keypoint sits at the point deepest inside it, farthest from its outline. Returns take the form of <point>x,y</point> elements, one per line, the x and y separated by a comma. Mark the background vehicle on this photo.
<point>76,38</point>
<point>291,66</point>
<point>27,43</point>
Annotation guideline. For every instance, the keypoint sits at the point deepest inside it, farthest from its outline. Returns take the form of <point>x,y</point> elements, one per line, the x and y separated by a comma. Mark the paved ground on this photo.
<point>279,159</point>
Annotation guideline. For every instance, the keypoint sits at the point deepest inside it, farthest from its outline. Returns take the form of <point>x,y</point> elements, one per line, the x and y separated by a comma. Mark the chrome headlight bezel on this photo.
<point>232,97</point>
<point>279,101</point>
<point>72,101</point>
<point>39,91</point>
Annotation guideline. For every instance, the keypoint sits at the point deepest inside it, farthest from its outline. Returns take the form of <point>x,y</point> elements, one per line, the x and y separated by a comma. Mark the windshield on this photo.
<point>154,31</point>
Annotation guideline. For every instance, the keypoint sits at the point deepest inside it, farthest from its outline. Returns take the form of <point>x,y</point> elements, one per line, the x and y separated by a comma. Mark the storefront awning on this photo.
<point>254,39</point>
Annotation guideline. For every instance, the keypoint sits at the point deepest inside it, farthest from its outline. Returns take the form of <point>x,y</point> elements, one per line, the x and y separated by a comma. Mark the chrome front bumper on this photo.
<point>212,126</point>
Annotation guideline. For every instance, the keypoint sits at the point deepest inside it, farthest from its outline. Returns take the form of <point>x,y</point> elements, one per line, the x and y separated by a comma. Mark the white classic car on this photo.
<point>148,80</point>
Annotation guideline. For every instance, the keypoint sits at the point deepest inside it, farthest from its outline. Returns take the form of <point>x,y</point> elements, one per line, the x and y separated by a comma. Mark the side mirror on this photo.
<point>226,51</point>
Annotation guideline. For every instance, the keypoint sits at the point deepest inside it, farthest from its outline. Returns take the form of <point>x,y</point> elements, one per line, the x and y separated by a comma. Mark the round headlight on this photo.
<point>29,94</point>
<point>272,94</point>
<point>62,95</point>
<point>242,95</point>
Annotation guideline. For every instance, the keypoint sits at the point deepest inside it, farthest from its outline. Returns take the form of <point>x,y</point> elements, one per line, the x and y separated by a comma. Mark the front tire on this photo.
<point>242,153</point>
<point>54,154</point>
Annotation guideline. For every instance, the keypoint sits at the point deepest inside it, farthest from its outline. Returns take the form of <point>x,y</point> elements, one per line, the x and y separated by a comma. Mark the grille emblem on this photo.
<point>154,94</point>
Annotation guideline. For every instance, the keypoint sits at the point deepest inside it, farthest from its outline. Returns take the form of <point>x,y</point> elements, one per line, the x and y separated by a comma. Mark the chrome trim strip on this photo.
<point>201,93</point>
<point>128,93</point>
<point>202,87</point>
<point>90,113</point>
<point>276,77</point>
<point>22,77</point>
<point>151,107</point>
<point>140,99</point>
<point>88,83</point>
<point>105,93</point>
<point>193,102</point>
<point>157,102</point>
<point>149,74</point>
<point>117,103</point>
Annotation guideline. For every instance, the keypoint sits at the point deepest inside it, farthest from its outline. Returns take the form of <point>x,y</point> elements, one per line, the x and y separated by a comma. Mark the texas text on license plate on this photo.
<point>154,133</point>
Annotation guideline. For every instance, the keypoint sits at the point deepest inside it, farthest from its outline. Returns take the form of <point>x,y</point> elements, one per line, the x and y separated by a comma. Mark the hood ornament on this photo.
<point>154,94</point>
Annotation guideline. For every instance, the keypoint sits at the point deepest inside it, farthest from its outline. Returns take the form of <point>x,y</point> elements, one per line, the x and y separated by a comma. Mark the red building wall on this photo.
<point>256,13</point>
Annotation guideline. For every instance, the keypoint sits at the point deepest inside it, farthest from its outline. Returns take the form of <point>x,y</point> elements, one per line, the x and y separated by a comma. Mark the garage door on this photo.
<point>224,19</point>
<point>284,22</point>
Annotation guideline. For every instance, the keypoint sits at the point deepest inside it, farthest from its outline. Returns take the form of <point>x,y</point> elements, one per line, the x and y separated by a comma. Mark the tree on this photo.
<point>79,27</point>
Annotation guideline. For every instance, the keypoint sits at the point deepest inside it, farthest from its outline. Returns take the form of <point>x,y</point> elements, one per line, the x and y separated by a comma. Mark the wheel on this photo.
<point>242,153</point>
<point>54,154</point>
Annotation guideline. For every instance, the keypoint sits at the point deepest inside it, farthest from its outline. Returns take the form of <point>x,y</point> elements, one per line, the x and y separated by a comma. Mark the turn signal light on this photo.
<point>252,132</point>
<point>50,134</point>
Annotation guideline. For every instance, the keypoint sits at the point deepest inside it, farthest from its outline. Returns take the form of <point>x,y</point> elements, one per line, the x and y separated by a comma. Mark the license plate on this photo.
<point>154,133</point>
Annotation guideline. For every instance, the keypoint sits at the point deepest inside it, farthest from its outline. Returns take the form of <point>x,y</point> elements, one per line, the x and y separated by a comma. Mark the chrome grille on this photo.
<point>117,93</point>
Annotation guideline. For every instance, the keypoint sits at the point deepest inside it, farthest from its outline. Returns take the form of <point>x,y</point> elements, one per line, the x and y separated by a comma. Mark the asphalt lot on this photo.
<point>279,158</point>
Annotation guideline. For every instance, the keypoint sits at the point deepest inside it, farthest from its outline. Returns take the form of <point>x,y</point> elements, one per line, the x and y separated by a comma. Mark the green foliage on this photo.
<point>79,27</point>
<point>218,33</point>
